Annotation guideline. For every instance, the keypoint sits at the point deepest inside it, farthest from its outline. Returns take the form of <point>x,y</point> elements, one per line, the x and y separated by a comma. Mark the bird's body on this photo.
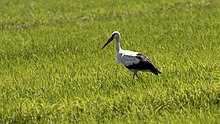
<point>133,61</point>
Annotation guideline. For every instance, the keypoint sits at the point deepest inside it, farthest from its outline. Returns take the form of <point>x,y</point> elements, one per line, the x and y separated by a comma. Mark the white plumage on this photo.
<point>133,61</point>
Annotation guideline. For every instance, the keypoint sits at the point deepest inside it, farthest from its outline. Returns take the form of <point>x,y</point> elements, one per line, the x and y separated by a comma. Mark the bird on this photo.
<point>133,61</point>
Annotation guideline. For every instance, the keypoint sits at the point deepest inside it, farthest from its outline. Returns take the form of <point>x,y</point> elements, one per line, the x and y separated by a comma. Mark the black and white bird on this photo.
<point>133,61</point>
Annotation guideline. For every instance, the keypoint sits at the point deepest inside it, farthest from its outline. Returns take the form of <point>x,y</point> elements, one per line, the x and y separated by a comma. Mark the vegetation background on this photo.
<point>52,68</point>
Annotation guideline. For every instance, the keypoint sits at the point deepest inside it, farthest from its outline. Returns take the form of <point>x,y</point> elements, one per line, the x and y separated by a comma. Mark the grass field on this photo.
<point>52,68</point>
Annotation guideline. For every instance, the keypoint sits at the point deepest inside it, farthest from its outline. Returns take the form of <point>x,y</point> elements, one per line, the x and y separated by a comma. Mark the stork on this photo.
<point>133,61</point>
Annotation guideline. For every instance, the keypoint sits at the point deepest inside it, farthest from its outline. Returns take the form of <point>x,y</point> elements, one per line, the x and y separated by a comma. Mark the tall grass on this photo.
<point>54,71</point>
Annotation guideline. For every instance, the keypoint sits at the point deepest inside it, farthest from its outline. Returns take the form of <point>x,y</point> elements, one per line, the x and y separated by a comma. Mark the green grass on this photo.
<point>54,71</point>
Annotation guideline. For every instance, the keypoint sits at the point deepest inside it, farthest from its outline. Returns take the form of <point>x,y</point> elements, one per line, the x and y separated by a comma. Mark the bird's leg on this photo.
<point>133,78</point>
<point>135,74</point>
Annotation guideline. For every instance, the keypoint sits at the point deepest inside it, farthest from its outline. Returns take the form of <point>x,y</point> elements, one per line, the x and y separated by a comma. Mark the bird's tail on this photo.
<point>155,71</point>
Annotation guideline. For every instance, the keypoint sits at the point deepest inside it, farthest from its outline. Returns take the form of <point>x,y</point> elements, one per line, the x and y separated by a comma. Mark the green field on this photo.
<point>52,68</point>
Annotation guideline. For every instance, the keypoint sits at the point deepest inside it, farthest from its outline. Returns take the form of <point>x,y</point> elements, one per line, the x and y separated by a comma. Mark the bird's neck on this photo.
<point>118,47</point>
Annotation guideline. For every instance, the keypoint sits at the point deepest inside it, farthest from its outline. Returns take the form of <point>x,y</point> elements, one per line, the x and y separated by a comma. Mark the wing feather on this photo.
<point>143,63</point>
<point>128,60</point>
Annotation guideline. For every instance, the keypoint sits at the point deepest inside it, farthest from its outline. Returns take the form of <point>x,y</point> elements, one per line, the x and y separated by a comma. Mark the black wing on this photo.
<point>144,64</point>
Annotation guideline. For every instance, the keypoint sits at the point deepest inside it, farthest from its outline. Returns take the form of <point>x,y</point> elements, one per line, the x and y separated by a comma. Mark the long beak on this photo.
<point>109,40</point>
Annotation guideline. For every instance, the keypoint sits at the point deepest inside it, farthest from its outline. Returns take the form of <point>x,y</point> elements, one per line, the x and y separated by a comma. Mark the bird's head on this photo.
<point>115,35</point>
